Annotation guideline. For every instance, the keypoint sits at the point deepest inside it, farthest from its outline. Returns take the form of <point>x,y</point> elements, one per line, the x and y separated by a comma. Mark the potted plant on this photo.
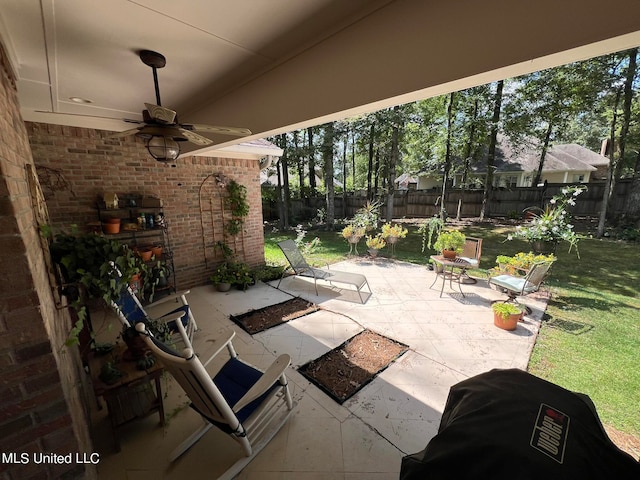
<point>375,244</point>
<point>391,233</point>
<point>551,225</point>
<point>222,277</point>
<point>242,276</point>
<point>367,216</point>
<point>353,233</point>
<point>85,263</point>
<point>450,243</point>
<point>506,315</point>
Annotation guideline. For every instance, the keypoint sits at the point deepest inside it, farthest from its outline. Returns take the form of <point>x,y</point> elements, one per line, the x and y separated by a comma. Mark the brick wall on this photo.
<point>77,166</point>
<point>41,406</point>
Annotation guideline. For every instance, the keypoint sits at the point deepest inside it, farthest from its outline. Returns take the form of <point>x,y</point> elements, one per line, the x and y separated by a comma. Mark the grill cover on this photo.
<point>508,424</point>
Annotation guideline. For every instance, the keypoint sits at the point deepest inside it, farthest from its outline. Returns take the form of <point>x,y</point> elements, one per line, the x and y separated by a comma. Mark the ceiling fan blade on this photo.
<point>241,132</point>
<point>161,114</point>
<point>124,133</point>
<point>195,138</point>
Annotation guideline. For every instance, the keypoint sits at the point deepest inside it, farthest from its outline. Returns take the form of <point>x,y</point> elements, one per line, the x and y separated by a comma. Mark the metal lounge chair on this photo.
<point>301,268</point>
<point>515,286</point>
<point>180,319</point>
<point>242,401</point>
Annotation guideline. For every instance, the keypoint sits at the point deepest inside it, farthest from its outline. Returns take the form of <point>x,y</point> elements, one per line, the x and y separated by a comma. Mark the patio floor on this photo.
<point>451,338</point>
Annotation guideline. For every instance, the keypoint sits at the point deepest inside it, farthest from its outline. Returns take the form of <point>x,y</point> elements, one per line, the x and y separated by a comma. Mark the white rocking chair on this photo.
<point>242,401</point>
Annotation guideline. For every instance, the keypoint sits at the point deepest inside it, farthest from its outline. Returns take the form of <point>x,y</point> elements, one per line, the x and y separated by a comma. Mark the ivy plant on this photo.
<point>238,205</point>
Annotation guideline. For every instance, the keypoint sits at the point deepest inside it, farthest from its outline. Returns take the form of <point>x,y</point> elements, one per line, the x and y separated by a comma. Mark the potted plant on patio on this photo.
<point>506,315</point>
<point>85,263</point>
<point>352,234</point>
<point>450,243</point>
<point>222,277</point>
<point>391,233</point>
<point>375,244</point>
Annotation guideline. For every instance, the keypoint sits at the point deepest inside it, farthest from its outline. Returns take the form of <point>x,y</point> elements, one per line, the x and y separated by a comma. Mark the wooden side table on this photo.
<point>453,264</point>
<point>130,397</point>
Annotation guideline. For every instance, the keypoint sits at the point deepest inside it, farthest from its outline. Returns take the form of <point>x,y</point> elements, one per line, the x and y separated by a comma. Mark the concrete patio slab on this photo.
<point>451,338</point>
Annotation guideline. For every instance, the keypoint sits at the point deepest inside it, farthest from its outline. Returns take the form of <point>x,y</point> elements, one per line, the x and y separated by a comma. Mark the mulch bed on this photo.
<point>259,320</point>
<point>343,371</point>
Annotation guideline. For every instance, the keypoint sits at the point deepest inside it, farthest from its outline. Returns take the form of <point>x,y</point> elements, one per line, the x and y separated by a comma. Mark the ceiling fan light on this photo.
<point>163,149</point>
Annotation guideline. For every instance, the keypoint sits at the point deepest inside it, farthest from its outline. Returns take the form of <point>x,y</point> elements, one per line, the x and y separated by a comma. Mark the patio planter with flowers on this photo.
<point>375,244</point>
<point>551,225</point>
<point>353,234</point>
<point>392,233</point>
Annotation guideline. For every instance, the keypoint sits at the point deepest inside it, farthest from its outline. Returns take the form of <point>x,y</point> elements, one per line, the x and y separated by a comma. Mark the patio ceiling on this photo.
<point>272,66</point>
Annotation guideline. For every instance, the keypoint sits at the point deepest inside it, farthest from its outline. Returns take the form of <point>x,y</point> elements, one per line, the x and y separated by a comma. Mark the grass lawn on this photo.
<point>590,339</point>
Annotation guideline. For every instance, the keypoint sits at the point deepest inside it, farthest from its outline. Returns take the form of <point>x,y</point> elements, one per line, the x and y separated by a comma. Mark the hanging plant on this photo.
<point>237,203</point>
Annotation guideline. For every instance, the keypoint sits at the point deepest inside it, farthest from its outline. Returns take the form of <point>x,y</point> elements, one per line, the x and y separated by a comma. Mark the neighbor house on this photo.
<point>567,163</point>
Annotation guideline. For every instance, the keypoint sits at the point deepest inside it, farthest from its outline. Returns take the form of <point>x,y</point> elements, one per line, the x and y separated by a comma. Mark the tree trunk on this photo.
<point>607,189</point>
<point>299,164</point>
<point>491,157</point>
<point>353,161</point>
<point>376,171</point>
<point>543,155</point>
<point>344,175</point>
<point>372,132</point>
<point>286,194</point>
<point>312,161</point>
<point>447,157</point>
<point>327,155</point>
<point>631,213</point>
<point>626,117</point>
<point>467,156</point>
<point>393,161</point>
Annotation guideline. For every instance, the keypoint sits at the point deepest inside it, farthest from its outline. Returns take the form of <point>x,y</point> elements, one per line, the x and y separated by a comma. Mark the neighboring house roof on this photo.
<point>559,158</point>
<point>405,178</point>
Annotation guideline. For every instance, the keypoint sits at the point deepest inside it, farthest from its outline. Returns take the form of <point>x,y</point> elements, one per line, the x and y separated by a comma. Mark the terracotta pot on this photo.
<point>145,254</point>
<point>509,323</point>
<point>156,251</point>
<point>449,254</point>
<point>111,228</point>
<point>112,220</point>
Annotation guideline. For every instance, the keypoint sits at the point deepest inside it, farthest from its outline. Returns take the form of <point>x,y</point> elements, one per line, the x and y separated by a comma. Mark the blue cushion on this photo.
<point>234,380</point>
<point>516,284</point>
<point>130,309</point>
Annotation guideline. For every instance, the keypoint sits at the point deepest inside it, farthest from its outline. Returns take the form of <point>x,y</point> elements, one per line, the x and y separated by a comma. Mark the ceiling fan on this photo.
<point>160,126</point>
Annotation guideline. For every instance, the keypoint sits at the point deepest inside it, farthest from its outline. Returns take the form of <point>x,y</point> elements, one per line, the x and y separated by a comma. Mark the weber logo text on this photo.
<point>550,432</point>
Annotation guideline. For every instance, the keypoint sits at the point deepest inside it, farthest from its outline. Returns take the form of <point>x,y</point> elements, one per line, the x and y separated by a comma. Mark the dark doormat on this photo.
<point>343,371</point>
<point>259,320</point>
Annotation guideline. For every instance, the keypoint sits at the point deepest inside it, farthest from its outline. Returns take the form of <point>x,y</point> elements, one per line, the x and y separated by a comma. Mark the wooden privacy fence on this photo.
<point>426,203</point>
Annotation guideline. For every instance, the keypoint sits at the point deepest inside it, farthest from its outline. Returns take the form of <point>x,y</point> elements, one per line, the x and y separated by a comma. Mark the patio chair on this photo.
<point>515,286</point>
<point>180,320</point>
<point>301,268</point>
<point>471,253</point>
<point>242,401</point>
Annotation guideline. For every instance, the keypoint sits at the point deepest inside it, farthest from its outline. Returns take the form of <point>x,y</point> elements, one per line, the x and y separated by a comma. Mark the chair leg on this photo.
<point>189,441</point>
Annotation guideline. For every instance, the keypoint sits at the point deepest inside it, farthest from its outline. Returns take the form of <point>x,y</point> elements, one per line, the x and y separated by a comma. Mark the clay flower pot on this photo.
<point>111,225</point>
<point>145,254</point>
